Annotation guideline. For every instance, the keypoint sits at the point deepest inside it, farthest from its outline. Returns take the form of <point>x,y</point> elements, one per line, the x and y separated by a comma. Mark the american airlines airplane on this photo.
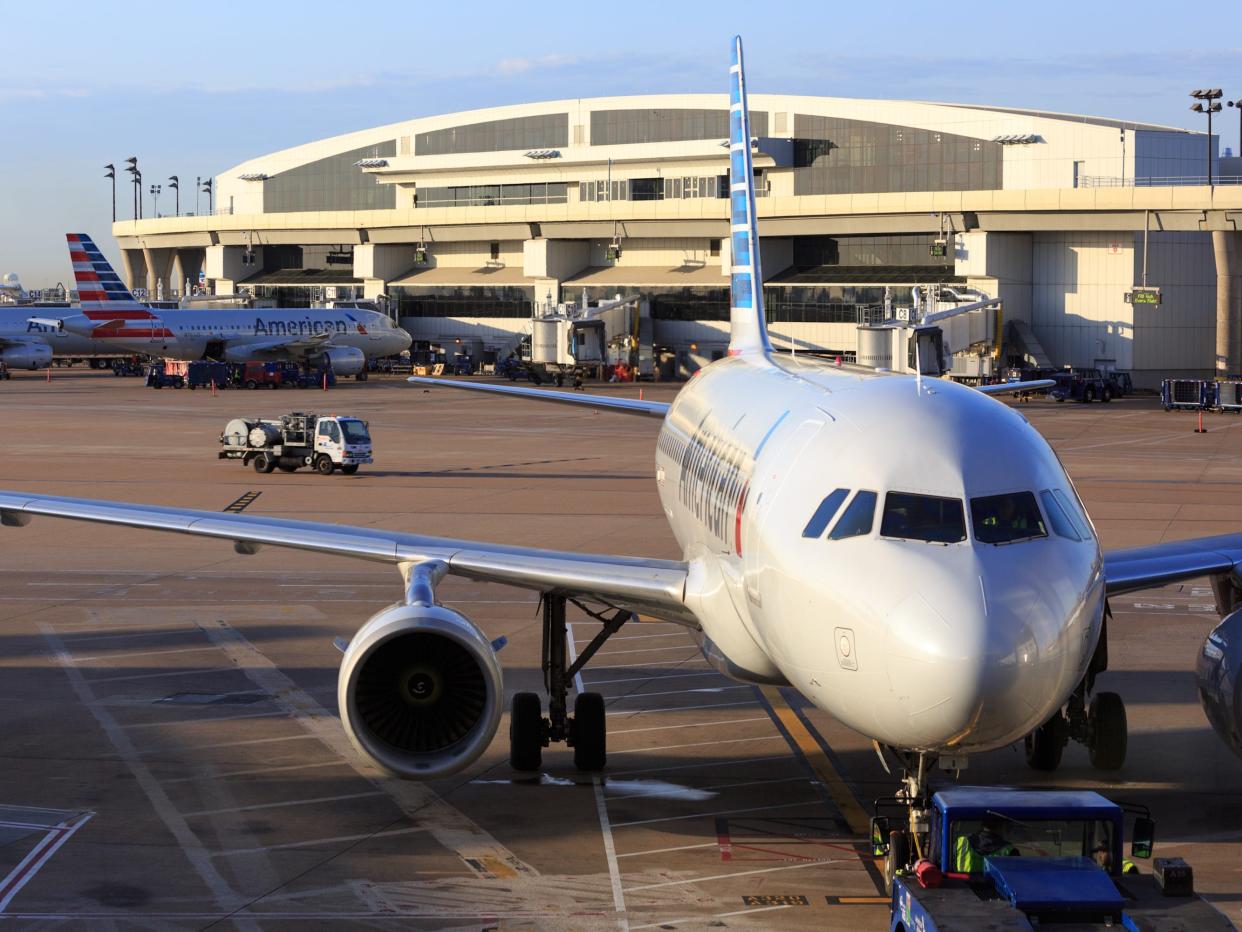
<point>110,315</point>
<point>27,344</point>
<point>906,552</point>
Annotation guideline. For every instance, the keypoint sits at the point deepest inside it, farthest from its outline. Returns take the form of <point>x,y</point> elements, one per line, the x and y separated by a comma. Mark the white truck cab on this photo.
<point>325,442</point>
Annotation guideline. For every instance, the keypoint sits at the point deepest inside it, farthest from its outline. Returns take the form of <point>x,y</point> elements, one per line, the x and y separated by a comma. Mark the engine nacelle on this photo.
<point>345,360</point>
<point>420,691</point>
<point>1218,673</point>
<point>27,356</point>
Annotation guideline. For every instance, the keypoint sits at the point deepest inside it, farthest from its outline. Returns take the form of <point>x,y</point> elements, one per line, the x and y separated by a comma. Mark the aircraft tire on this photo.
<point>1046,743</point>
<point>590,732</point>
<point>525,732</point>
<point>1106,719</point>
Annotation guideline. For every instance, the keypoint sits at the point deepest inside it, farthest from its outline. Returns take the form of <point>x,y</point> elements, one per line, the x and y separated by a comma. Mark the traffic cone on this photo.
<point>49,373</point>
<point>1201,429</point>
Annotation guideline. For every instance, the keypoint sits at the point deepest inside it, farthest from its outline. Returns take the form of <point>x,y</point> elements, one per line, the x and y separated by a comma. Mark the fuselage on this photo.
<point>15,326</point>
<point>837,522</point>
<point>192,334</point>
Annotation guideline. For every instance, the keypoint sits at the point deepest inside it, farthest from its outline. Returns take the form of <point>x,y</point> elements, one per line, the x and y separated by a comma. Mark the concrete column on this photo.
<point>554,258</point>
<point>134,264</point>
<point>186,265</point>
<point>159,268</point>
<point>225,268</point>
<point>1227,246</point>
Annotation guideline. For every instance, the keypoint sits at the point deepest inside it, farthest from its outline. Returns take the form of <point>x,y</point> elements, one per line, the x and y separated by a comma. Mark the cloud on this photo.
<point>512,66</point>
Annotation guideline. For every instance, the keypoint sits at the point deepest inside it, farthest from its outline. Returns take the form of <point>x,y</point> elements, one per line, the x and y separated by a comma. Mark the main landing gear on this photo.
<point>1100,723</point>
<point>586,730</point>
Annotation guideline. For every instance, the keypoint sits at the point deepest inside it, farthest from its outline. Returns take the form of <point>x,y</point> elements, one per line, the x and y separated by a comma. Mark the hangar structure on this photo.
<point>468,222</point>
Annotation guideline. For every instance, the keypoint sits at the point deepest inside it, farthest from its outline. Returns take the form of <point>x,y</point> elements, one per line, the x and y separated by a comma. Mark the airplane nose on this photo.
<point>979,666</point>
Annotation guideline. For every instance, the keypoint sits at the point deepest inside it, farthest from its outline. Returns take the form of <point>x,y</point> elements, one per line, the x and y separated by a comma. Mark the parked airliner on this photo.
<point>27,344</point>
<point>110,315</point>
<point>906,552</point>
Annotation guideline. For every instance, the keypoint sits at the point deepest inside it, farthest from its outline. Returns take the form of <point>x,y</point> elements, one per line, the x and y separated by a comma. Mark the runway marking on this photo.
<point>699,744</point>
<point>244,501</point>
<point>733,786</point>
<point>657,663</point>
<point>282,805</point>
<point>721,812</point>
<point>451,828</point>
<point>340,839</point>
<point>699,766</point>
<point>601,809</point>
<point>633,713</point>
<point>731,721</point>
<point>236,744</point>
<point>143,653</point>
<point>676,692</point>
<point>200,671</point>
<point>179,722</point>
<point>762,870</point>
<point>665,676</point>
<point>639,854</point>
<point>261,770</point>
<point>39,855</point>
<point>846,803</point>
<point>643,650</point>
<point>640,637</point>
<point>224,896</point>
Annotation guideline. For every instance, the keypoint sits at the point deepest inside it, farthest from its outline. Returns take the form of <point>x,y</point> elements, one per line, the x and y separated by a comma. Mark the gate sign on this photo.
<point>1144,296</point>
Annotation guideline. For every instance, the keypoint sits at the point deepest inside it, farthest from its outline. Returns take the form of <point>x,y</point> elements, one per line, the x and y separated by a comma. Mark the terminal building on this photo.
<point>466,224</point>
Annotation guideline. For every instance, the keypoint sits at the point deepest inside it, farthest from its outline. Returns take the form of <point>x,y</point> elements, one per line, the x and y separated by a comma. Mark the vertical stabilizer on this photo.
<point>99,287</point>
<point>748,331</point>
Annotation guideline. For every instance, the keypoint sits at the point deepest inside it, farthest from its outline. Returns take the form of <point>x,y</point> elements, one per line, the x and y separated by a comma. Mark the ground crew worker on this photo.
<point>971,850</point>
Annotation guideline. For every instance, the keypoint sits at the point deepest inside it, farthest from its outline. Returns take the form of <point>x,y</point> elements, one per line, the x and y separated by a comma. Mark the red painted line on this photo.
<point>30,865</point>
<point>722,839</point>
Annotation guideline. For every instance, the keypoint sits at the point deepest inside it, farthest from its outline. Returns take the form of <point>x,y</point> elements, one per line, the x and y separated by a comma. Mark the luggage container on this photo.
<point>1229,395</point>
<point>1186,394</point>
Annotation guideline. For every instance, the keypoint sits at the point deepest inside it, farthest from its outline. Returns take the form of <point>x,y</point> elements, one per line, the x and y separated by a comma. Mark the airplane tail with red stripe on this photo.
<point>99,287</point>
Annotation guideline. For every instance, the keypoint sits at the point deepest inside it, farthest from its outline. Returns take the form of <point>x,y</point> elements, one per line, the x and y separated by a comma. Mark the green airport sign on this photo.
<point>1149,296</point>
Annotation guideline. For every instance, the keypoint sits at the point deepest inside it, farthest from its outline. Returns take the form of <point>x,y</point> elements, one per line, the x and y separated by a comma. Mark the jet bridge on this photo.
<point>962,342</point>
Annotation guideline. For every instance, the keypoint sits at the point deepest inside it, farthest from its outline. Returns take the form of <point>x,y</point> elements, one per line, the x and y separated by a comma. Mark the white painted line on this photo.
<point>719,812</point>
<point>707,764</point>
<point>39,855</point>
<point>263,770</point>
<point>287,803</point>
<point>143,653</point>
<point>178,723</point>
<point>762,870</point>
<point>601,809</point>
<point>199,671</point>
<point>674,663</point>
<point>223,895</point>
<point>676,692</point>
<point>734,786</point>
<point>642,650</point>
<point>236,744</point>
<point>658,676</point>
<point>697,744</point>
<point>639,854</point>
<point>634,713</point>
<point>340,839</point>
<point>731,721</point>
<point>80,639</point>
<point>643,637</point>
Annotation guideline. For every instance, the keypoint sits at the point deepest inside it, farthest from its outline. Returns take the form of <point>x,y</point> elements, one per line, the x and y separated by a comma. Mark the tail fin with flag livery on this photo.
<point>99,287</point>
<point>748,331</point>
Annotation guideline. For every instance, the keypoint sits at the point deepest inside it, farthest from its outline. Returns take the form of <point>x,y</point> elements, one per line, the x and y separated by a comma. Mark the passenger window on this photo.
<point>858,517</point>
<point>923,517</point>
<point>1003,519</point>
<point>824,513</point>
<point>1062,526</point>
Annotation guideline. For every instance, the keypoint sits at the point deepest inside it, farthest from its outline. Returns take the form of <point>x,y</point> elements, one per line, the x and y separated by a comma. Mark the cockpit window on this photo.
<point>1062,524</point>
<point>824,513</point>
<point>923,517</point>
<point>1003,519</point>
<point>858,517</point>
<point>1074,508</point>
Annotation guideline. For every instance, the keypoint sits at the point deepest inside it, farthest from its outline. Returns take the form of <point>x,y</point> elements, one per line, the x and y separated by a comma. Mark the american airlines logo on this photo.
<point>296,328</point>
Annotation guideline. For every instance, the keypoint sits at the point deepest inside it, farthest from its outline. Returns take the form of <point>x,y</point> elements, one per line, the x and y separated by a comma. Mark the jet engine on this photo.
<point>1218,673</point>
<point>420,691</point>
<point>346,360</point>
<point>27,356</point>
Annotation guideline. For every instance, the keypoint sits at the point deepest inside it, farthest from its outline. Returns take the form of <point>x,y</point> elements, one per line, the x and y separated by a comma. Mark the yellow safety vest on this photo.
<point>967,860</point>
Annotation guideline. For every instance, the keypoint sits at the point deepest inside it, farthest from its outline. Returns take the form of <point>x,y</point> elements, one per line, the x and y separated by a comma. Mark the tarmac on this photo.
<point>171,758</point>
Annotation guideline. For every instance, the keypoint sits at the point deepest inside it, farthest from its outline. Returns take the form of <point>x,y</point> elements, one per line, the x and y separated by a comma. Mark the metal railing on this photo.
<point>1155,181</point>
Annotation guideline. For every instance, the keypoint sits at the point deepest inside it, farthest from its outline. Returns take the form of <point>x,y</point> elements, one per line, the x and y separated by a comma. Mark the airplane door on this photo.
<point>772,470</point>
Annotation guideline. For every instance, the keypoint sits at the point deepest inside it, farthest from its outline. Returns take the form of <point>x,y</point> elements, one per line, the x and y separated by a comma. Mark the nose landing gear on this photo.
<point>586,730</point>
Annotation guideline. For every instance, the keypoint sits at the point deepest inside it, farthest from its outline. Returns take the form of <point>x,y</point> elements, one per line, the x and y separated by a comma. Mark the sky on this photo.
<point>193,89</point>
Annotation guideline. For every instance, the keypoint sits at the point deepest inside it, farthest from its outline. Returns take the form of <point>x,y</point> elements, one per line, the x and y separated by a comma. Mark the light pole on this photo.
<point>175,183</point>
<point>131,166</point>
<point>112,174</point>
<point>207,189</point>
<point>155,198</point>
<point>1207,100</point>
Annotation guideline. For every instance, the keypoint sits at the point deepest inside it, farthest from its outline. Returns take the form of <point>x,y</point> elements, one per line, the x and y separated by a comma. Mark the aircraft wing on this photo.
<point>1160,564</point>
<point>300,344</point>
<point>654,587</point>
<point>1001,388</point>
<point>599,402</point>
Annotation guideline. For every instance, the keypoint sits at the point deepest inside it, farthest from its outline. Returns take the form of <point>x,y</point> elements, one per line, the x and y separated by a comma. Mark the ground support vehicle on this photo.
<point>159,377</point>
<point>1056,858</point>
<point>325,442</point>
<point>1187,394</point>
<point>206,373</point>
<point>1121,383</point>
<point>4,371</point>
<point>127,367</point>
<point>1085,385</point>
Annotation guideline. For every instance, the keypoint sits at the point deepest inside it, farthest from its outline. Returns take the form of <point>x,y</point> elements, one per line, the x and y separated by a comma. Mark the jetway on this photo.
<point>962,341</point>
<point>608,333</point>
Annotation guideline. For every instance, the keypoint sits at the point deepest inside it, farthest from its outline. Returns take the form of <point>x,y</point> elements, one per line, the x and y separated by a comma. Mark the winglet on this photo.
<point>748,331</point>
